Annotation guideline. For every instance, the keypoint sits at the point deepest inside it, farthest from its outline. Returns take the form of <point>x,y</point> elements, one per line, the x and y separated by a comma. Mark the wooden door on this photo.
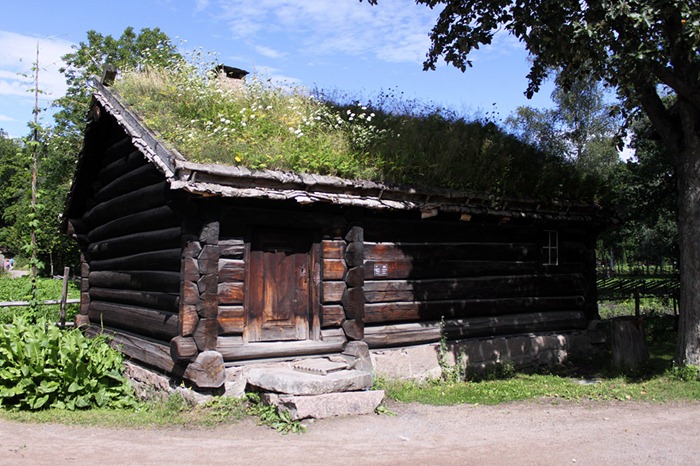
<point>278,295</point>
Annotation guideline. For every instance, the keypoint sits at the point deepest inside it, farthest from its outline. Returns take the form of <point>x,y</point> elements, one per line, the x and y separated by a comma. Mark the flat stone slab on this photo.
<point>327,405</point>
<point>291,382</point>
<point>320,366</point>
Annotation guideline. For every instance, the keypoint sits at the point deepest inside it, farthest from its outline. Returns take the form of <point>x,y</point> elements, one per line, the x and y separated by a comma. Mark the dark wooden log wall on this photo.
<point>132,253</point>
<point>482,279</point>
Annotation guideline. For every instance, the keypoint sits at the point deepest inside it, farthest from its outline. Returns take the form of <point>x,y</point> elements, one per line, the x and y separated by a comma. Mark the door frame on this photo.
<point>252,334</point>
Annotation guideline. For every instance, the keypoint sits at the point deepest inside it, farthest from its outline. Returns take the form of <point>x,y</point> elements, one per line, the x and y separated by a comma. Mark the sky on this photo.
<point>335,45</point>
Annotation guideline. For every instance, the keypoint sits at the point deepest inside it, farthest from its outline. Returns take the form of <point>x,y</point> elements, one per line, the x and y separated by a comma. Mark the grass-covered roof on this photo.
<point>258,125</point>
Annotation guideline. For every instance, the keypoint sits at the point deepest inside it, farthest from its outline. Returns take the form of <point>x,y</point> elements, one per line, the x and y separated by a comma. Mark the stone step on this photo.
<point>326,405</point>
<point>288,381</point>
<point>320,366</point>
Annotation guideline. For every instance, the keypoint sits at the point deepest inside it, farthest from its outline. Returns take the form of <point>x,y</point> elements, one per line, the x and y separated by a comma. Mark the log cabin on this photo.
<point>194,267</point>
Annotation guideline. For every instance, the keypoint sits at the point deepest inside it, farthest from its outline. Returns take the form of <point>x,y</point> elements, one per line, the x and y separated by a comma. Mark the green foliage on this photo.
<point>270,416</point>
<point>43,367</point>
<point>685,373</point>
<point>19,289</point>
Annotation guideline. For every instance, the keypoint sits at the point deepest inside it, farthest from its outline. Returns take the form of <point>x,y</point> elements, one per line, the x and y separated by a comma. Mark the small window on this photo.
<point>550,247</point>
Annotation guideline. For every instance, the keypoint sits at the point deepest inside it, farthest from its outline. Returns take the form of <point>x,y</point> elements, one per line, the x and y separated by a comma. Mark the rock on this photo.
<point>360,351</point>
<point>292,382</point>
<point>326,405</point>
<point>236,380</point>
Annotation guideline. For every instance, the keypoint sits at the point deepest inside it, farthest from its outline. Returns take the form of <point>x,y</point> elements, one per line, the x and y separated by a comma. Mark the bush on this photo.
<point>43,367</point>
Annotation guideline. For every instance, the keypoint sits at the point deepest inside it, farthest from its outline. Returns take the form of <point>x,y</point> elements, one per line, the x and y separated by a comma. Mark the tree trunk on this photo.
<point>688,172</point>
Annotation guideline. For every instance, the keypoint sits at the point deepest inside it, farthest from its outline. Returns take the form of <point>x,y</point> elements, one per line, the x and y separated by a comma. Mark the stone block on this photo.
<point>414,362</point>
<point>359,351</point>
<point>288,381</point>
<point>327,405</point>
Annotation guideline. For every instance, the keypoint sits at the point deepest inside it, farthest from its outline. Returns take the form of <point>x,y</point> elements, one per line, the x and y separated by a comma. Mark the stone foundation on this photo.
<point>421,362</point>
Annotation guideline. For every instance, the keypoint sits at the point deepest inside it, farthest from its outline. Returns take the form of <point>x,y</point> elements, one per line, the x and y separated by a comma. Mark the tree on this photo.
<point>641,48</point>
<point>59,145</point>
<point>580,128</point>
<point>130,50</point>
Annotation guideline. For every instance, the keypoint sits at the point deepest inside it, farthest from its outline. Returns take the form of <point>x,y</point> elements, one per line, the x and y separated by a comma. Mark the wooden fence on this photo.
<point>636,287</point>
<point>62,302</point>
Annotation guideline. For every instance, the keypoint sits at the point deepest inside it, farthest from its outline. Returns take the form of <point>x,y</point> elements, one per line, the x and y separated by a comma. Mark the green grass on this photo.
<point>592,379</point>
<point>265,126</point>
<point>19,289</point>
<point>173,412</point>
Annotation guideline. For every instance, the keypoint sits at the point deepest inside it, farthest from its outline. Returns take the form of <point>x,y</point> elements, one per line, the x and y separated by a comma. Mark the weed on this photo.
<point>269,415</point>
<point>383,410</point>
<point>450,373</point>
<point>684,373</point>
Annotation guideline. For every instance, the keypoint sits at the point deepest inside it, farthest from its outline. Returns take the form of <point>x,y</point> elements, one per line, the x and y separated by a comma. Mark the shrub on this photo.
<point>43,367</point>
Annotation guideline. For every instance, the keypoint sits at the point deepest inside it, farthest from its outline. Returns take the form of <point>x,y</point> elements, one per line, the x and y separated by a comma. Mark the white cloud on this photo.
<point>6,118</point>
<point>393,31</point>
<point>17,56</point>
<point>200,5</point>
<point>269,52</point>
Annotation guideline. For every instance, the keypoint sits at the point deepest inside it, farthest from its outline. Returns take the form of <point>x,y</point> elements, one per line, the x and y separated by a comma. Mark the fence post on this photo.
<point>64,297</point>
<point>636,302</point>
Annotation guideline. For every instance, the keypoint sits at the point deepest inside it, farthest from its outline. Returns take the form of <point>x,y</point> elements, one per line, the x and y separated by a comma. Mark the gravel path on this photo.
<point>540,432</point>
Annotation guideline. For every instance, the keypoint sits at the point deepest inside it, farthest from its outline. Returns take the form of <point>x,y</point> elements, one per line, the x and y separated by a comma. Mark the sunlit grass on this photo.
<point>261,125</point>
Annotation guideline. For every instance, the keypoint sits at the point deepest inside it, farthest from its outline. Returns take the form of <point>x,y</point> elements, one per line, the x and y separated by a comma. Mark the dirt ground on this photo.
<point>541,432</point>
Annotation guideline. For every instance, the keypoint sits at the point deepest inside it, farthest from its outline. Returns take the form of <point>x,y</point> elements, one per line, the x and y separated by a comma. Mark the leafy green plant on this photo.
<point>43,367</point>
<point>269,415</point>
<point>685,373</point>
<point>450,373</point>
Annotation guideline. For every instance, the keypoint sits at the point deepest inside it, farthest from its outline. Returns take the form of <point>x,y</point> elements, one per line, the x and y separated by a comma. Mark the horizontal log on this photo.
<point>207,371</point>
<point>144,175</point>
<point>150,299</point>
<point>206,334</point>
<point>355,254</point>
<point>146,280</point>
<point>231,320</point>
<point>153,323</point>
<point>416,269</point>
<point>148,220</point>
<point>471,288</point>
<point>426,332</point>
<point>136,243</point>
<point>332,292</point>
<point>233,348</point>
<point>411,231</point>
<point>434,310</point>
<point>355,277</point>
<point>231,293</point>
<point>188,318</point>
<point>332,315</point>
<point>334,269</point>
<point>333,249</point>
<point>478,251</point>
<point>125,164</point>
<point>166,259</point>
<point>183,349</point>
<point>146,350</point>
<point>353,302</point>
<point>231,270</point>
<point>117,150</point>
<point>231,248</point>
<point>143,199</point>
